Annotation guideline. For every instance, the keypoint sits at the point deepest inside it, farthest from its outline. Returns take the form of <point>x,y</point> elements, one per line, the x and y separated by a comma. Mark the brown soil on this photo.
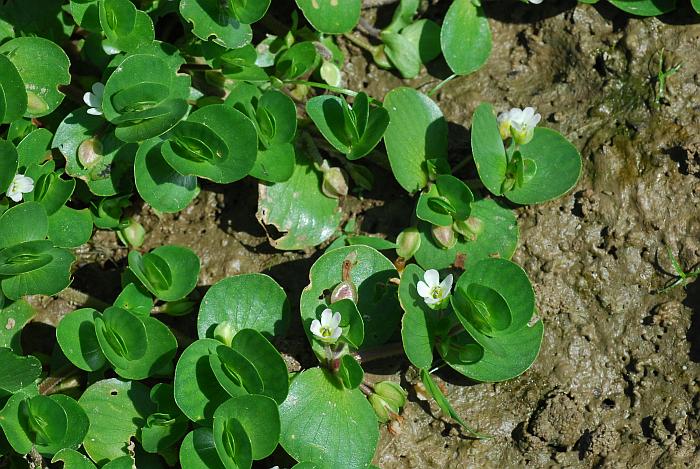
<point>616,383</point>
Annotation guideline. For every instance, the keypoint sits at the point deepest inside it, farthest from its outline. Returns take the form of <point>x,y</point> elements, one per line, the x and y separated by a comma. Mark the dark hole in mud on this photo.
<point>608,403</point>
<point>646,426</point>
<point>681,156</point>
<point>100,281</point>
<point>599,65</point>
<point>239,207</point>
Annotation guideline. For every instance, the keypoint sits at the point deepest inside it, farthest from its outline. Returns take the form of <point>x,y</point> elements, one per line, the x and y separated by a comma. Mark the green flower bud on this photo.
<point>133,234</point>
<point>224,332</point>
<point>380,408</point>
<point>408,242</point>
<point>334,183</point>
<point>392,393</point>
<point>470,228</point>
<point>444,236</point>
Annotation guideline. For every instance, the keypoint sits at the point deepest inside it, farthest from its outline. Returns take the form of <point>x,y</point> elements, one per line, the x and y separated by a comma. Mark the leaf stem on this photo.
<point>442,83</point>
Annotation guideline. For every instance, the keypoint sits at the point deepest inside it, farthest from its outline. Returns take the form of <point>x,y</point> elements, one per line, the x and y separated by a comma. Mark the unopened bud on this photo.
<point>392,393</point>
<point>344,291</point>
<point>90,152</point>
<point>179,307</point>
<point>408,242</point>
<point>470,228</point>
<point>421,392</point>
<point>133,234</point>
<point>334,183</point>
<point>224,332</point>
<point>380,408</point>
<point>444,236</point>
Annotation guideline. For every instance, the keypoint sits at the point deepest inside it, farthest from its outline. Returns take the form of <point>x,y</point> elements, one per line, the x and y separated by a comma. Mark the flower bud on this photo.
<point>224,332</point>
<point>90,152</point>
<point>133,234</point>
<point>392,393</point>
<point>444,236</point>
<point>179,307</point>
<point>470,228</point>
<point>344,290</point>
<point>380,408</point>
<point>334,183</point>
<point>408,242</point>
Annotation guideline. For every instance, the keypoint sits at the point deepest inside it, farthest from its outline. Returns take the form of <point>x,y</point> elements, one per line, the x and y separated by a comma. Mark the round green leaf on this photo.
<point>425,35</point>
<point>198,450</point>
<point>157,359</point>
<point>465,37</point>
<point>259,417</point>
<point>13,96</point>
<point>116,409</point>
<point>376,295</point>
<point>232,443</point>
<point>417,132</point>
<point>43,66</point>
<point>252,301</point>
<point>233,129</point>
<point>558,168</point>
<point>326,424</point>
<point>235,373</point>
<point>266,360</point>
<point>197,391</point>
<point>158,183</point>
<point>15,316</point>
<point>495,234</point>
<point>274,164</point>
<point>169,272</point>
<point>331,16</point>
<point>298,208</point>
<point>32,150</point>
<point>24,222</point>
<point>77,127</point>
<point>212,19</point>
<point>77,422</point>
<point>46,280</point>
<point>78,340</point>
<point>70,228</point>
<point>350,372</point>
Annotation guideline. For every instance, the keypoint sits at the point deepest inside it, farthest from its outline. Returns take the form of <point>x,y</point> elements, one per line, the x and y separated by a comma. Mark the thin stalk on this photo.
<point>366,389</point>
<point>361,42</point>
<point>462,164</point>
<point>442,83</point>
<point>83,299</point>
<point>322,86</point>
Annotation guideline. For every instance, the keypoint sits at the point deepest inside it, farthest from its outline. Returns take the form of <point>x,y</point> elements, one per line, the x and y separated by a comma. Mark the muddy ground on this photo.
<point>616,383</point>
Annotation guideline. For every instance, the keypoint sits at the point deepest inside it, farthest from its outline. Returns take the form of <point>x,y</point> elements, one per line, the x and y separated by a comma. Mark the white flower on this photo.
<point>434,293</point>
<point>536,2</point>
<point>519,124</point>
<point>21,184</point>
<point>327,329</point>
<point>94,99</point>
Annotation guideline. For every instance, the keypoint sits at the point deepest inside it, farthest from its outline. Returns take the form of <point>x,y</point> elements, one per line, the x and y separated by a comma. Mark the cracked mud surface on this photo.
<point>616,383</point>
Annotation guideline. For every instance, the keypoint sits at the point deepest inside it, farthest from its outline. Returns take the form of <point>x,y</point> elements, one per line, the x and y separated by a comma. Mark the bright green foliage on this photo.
<point>331,16</point>
<point>645,7</point>
<point>16,371</point>
<point>253,301</point>
<point>543,169</point>
<point>418,323</point>
<point>14,316</point>
<point>491,230</point>
<point>465,37</point>
<point>417,132</point>
<point>354,131</point>
<point>43,67</point>
<point>447,201</point>
<point>495,303</point>
<point>8,164</point>
<point>336,428</point>
<point>299,207</point>
<point>369,271</point>
<point>169,272</point>
<point>13,96</point>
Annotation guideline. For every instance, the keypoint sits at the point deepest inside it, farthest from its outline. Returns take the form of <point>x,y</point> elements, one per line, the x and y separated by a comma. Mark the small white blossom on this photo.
<point>328,328</point>
<point>20,185</point>
<point>519,124</point>
<point>536,2</point>
<point>434,293</point>
<point>94,99</point>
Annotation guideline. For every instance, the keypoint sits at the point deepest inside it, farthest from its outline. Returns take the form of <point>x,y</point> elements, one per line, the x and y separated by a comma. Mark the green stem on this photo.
<point>332,88</point>
<point>442,83</point>
<point>378,353</point>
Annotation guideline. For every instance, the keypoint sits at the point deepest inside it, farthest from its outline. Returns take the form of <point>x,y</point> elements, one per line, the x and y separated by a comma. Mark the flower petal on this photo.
<point>14,195</point>
<point>432,278</point>
<point>446,285</point>
<point>335,321</point>
<point>326,318</point>
<point>98,89</point>
<point>423,289</point>
<point>87,98</point>
<point>528,112</point>
<point>336,333</point>
<point>94,112</point>
<point>315,328</point>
